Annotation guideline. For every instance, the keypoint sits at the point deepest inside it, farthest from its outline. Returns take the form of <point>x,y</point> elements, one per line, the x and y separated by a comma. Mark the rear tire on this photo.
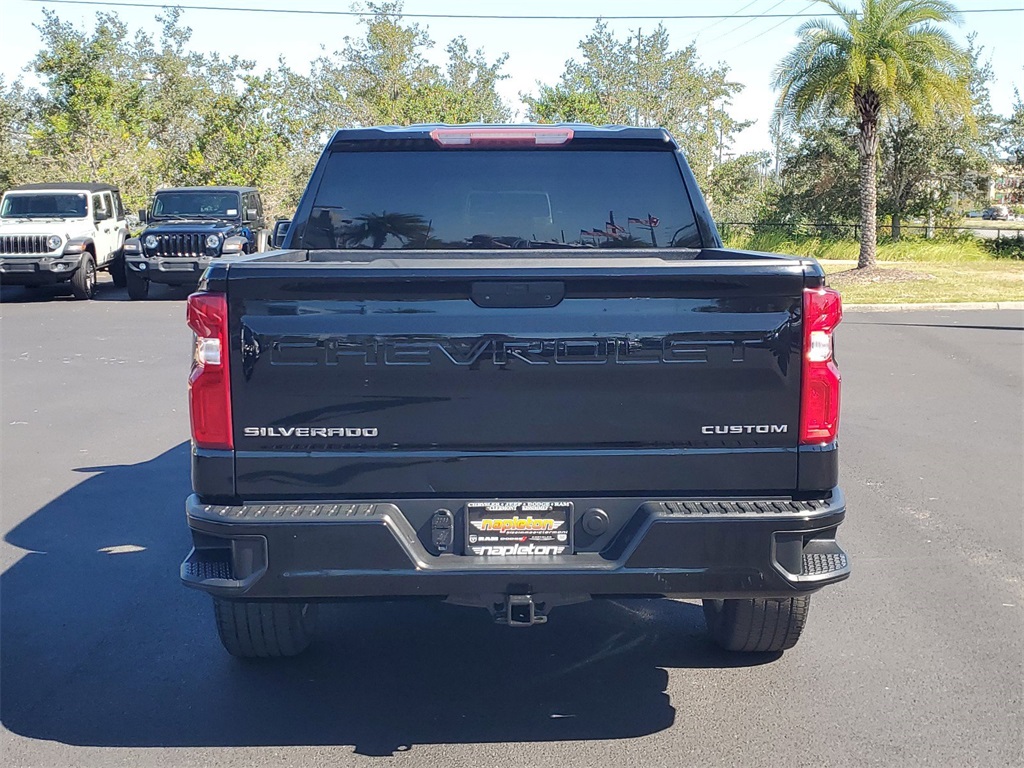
<point>256,630</point>
<point>758,625</point>
<point>83,282</point>
<point>138,286</point>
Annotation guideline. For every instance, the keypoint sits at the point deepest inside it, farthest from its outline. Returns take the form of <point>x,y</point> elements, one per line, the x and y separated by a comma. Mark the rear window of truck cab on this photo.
<point>501,199</point>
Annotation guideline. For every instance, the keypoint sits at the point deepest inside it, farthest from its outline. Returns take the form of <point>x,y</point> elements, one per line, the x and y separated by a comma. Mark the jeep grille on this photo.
<point>23,244</point>
<point>178,244</point>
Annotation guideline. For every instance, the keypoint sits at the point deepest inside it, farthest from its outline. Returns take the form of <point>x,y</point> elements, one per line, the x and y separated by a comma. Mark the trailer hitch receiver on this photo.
<point>522,611</point>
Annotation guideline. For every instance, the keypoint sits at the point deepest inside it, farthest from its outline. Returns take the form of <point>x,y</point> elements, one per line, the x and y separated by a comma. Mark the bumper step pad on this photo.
<point>821,564</point>
<point>202,569</point>
<point>296,512</point>
<point>719,508</point>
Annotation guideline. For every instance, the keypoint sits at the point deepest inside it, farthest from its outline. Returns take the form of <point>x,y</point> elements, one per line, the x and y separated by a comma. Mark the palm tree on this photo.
<point>377,227</point>
<point>886,56</point>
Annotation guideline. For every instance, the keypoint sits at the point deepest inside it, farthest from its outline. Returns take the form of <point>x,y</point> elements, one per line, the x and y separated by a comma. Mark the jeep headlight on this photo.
<point>213,241</point>
<point>53,242</point>
<point>150,241</point>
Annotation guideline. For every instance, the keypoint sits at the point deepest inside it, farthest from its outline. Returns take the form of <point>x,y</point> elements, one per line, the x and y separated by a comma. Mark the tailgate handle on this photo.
<point>505,294</point>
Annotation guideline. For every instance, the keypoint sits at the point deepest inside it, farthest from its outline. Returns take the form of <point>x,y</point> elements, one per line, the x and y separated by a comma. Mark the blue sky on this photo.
<point>537,49</point>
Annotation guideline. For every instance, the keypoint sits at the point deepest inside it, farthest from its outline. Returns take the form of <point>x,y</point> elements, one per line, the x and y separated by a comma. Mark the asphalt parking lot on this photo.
<point>917,660</point>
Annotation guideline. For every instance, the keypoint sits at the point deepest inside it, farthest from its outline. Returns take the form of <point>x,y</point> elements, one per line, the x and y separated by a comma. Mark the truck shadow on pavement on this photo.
<point>103,647</point>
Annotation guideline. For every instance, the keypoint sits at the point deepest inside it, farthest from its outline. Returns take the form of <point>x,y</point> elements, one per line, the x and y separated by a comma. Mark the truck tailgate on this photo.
<point>507,379</point>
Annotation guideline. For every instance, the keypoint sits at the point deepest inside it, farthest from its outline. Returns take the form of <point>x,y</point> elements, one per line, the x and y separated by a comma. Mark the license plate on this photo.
<point>519,528</point>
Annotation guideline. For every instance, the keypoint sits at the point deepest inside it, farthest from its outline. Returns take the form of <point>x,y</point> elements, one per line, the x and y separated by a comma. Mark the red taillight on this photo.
<point>819,396</point>
<point>464,137</point>
<point>209,385</point>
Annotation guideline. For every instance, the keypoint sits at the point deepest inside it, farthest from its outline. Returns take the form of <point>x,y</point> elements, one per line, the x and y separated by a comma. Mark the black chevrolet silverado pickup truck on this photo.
<point>511,367</point>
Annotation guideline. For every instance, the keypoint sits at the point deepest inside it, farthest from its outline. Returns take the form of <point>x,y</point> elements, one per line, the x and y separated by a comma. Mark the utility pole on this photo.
<point>711,121</point>
<point>721,135</point>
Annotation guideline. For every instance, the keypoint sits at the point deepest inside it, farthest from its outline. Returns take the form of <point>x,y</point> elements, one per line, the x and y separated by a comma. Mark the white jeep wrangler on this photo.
<point>52,233</point>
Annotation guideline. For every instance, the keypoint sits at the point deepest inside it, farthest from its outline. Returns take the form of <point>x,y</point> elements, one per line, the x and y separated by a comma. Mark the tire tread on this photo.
<point>138,287</point>
<point>263,629</point>
<point>757,625</point>
<point>117,270</point>
<point>79,280</point>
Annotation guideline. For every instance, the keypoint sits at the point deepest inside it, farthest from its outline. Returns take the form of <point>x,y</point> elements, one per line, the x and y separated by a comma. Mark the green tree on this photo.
<point>89,122</point>
<point>562,103</point>
<point>469,87</point>
<point>282,118</point>
<point>14,123</point>
<point>928,168</point>
<point>143,112</point>
<point>642,81</point>
<point>1011,146</point>
<point>1012,140</point>
<point>384,78</point>
<point>203,116</point>
<point>737,187</point>
<point>906,154</point>
<point>385,75</point>
<point>886,56</point>
<point>817,181</point>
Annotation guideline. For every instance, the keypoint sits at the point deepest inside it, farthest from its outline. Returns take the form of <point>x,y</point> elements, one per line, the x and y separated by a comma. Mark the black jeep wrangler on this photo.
<point>188,227</point>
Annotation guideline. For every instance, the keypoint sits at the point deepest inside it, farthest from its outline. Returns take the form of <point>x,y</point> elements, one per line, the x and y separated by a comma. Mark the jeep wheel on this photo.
<point>758,625</point>
<point>83,282</point>
<point>256,630</point>
<point>138,286</point>
<point>117,270</point>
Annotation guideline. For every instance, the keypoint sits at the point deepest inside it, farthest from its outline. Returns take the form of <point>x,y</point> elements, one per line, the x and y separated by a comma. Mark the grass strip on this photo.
<point>964,249</point>
<point>925,282</point>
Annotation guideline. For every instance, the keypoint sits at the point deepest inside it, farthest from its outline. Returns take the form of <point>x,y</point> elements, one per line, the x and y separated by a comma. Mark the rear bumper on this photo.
<point>693,549</point>
<point>172,270</point>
